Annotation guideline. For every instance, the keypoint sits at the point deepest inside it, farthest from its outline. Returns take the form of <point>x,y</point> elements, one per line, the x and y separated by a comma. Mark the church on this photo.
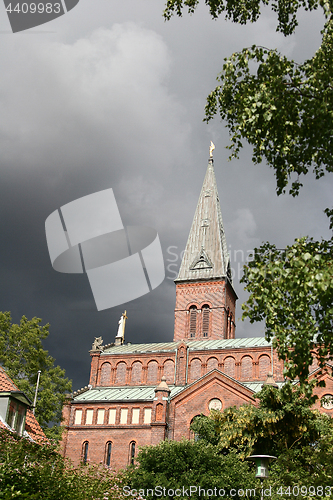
<point>141,394</point>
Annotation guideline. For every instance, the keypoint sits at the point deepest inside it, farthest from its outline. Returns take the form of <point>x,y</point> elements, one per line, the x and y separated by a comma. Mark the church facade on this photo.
<point>141,394</point>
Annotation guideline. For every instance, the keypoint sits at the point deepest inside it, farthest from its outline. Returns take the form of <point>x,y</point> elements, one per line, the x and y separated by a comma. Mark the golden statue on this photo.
<point>211,149</point>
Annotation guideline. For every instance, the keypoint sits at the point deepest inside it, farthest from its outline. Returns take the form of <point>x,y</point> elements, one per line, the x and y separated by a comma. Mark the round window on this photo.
<point>215,404</point>
<point>327,401</point>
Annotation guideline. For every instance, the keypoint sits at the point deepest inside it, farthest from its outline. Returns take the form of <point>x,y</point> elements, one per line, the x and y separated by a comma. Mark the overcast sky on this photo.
<point>111,96</point>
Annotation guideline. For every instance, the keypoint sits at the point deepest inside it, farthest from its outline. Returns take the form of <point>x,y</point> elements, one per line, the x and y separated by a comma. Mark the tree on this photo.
<point>22,355</point>
<point>283,420</point>
<point>284,110</point>
<point>38,472</point>
<point>292,290</point>
<point>281,423</point>
<point>178,465</point>
<point>249,10</point>
<point>281,108</point>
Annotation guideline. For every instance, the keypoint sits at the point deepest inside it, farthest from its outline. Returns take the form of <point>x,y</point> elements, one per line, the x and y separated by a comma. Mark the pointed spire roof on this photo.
<point>206,253</point>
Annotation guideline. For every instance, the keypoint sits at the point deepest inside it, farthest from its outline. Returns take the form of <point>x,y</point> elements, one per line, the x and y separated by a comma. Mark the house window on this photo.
<point>100,416</point>
<point>135,415</point>
<point>132,452</point>
<point>123,415</point>
<point>193,321</point>
<point>78,417</point>
<point>11,414</point>
<point>16,416</point>
<point>108,450</point>
<point>147,416</point>
<point>19,424</point>
<point>112,416</point>
<point>85,452</point>
<point>89,416</point>
<point>205,320</point>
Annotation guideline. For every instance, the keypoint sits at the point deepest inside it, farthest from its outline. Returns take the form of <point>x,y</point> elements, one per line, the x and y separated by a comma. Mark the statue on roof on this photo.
<point>97,344</point>
<point>121,328</point>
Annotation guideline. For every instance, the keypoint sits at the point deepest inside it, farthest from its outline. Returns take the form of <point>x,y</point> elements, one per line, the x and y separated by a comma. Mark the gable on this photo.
<point>324,375</point>
<point>214,390</point>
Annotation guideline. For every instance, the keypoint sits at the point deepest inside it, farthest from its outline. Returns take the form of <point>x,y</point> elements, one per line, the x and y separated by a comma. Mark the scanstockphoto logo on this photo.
<point>25,14</point>
<point>87,236</point>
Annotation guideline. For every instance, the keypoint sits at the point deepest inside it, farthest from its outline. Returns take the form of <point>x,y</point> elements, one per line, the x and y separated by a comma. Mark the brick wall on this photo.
<point>217,295</point>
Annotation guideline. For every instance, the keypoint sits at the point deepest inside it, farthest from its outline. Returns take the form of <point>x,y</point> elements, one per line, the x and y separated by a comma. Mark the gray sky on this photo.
<point>111,96</point>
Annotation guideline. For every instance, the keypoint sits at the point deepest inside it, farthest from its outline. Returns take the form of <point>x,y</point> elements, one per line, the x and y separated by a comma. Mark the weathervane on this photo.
<point>211,149</point>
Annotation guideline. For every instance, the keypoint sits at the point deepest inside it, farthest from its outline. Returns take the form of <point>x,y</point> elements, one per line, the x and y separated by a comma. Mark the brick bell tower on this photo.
<point>205,297</point>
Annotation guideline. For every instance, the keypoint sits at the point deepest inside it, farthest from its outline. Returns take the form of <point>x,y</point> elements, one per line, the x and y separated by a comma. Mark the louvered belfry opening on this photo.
<point>205,320</point>
<point>193,321</point>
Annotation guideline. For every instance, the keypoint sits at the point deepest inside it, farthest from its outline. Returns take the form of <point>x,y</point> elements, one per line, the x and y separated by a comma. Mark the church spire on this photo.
<point>206,253</point>
<point>205,298</point>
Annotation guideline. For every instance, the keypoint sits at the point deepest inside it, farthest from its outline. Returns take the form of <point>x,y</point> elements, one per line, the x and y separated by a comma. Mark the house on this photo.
<point>15,411</point>
<point>141,394</point>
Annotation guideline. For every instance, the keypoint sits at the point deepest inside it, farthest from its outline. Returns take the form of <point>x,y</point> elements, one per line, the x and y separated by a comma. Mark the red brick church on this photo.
<point>141,394</point>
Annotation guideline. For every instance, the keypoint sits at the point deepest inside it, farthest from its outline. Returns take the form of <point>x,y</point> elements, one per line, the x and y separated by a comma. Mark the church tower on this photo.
<point>205,298</point>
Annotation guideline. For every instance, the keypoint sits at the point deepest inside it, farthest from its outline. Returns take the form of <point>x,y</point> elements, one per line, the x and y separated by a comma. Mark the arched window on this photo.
<point>121,373</point>
<point>159,412</point>
<point>132,452</point>
<point>105,374</point>
<point>264,366</point>
<point>192,434</point>
<point>169,371</point>
<point>152,372</point>
<point>195,369</point>
<point>246,368</point>
<point>205,320</point>
<point>85,447</point>
<point>193,321</point>
<point>136,372</point>
<point>108,449</point>
<point>228,324</point>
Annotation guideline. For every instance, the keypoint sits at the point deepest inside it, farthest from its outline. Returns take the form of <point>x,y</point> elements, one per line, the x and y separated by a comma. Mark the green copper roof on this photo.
<point>206,252</point>
<point>257,386</point>
<point>133,348</point>
<point>134,393</point>
<point>142,393</point>
<point>194,345</point>
<point>197,345</point>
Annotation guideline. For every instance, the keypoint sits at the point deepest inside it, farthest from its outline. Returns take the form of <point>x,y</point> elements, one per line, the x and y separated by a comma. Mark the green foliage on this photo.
<point>244,11</point>
<point>292,290</point>
<point>307,470</point>
<point>173,465</point>
<point>284,110</point>
<point>34,472</point>
<point>283,420</point>
<point>281,424</point>
<point>22,355</point>
<point>207,429</point>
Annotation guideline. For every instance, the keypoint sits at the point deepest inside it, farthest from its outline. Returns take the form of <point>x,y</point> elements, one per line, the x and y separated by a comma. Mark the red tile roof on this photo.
<point>32,427</point>
<point>6,384</point>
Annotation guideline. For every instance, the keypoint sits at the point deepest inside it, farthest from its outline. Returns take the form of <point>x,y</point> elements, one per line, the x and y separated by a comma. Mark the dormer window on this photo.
<point>13,408</point>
